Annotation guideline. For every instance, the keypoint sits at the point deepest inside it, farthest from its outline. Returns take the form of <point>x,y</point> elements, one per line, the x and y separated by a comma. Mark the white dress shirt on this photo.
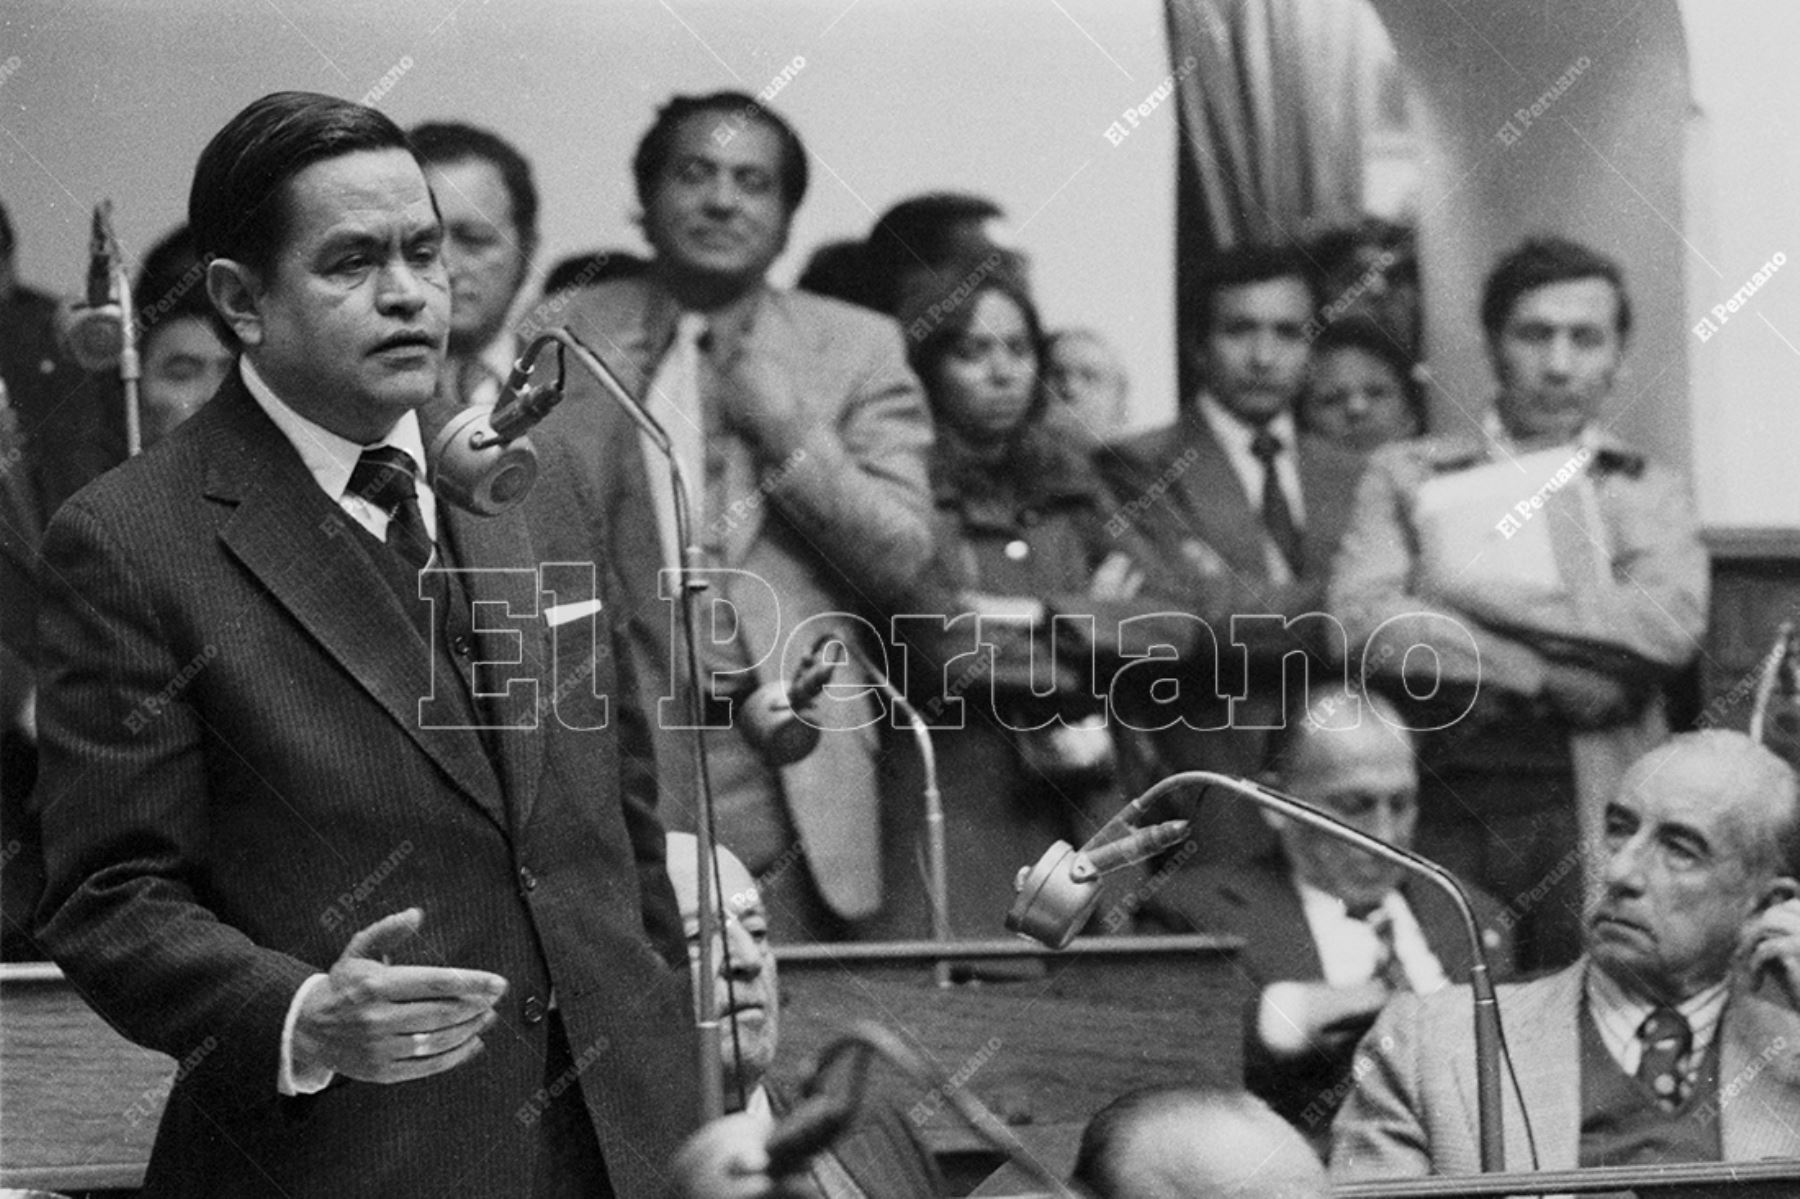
<point>1350,950</point>
<point>1618,1014</point>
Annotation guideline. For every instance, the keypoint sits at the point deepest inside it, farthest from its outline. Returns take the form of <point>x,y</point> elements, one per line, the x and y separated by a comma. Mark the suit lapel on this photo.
<point>1544,1037</point>
<point>288,533</point>
<point>1217,508</point>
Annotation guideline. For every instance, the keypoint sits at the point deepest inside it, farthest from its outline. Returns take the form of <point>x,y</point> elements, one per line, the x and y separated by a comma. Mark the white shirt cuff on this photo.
<point>316,1079</point>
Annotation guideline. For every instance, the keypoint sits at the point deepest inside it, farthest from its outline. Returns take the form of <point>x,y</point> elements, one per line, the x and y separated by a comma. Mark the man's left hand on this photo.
<point>1772,941</point>
<point>761,401</point>
<point>729,1159</point>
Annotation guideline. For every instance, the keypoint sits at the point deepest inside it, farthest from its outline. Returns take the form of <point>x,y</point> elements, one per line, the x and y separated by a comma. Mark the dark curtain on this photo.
<point>1270,123</point>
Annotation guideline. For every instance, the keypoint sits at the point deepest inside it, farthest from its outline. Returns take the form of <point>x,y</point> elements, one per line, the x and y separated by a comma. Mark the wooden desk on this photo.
<point>78,1103</point>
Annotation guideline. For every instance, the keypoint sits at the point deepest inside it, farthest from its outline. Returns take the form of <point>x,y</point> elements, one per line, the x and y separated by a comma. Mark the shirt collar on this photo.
<point>1235,434</point>
<point>330,457</point>
<point>1619,1013</point>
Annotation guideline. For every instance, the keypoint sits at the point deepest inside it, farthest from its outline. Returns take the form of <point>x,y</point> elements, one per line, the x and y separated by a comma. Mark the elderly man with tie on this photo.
<point>1675,1037</point>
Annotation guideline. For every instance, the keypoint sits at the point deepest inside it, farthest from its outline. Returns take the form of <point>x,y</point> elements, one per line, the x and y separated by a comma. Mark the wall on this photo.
<point>1008,97</point>
<point>1743,158</point>
<point>1600,162</point>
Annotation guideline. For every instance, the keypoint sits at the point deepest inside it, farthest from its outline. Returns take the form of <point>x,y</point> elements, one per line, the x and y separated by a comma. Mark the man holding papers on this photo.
<point>1555,575</point>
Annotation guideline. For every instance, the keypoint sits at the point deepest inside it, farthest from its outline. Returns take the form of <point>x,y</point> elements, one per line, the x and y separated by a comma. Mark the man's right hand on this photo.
<point>380,1023</point>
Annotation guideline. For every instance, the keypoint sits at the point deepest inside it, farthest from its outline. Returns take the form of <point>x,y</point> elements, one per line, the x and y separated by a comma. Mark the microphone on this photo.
<point>94,330</point>
<point>775,714</point>
<point>481,460</point>
<point>1058,894</point>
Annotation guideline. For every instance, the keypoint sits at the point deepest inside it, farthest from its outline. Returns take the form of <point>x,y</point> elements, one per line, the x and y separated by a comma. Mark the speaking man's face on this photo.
<point>349,325</point>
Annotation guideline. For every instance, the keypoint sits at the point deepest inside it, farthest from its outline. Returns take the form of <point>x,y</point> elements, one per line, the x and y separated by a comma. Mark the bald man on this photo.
<point>1330,932</point>
<point>1675,1037</point>
<point>1175,1143</point>
<point>880,1157</point>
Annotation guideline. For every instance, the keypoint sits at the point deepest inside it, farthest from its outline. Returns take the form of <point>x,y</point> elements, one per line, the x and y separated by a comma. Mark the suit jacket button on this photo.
<point>534,1010</point>
<point>527,880</point>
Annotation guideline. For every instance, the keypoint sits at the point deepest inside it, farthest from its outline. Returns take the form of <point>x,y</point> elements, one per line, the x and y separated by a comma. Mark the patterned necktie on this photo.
<point>674,400</point>
<point>1277,516</point>
<point>1388,967</point>
<point>1667,1039</point>
<point>384,476</point>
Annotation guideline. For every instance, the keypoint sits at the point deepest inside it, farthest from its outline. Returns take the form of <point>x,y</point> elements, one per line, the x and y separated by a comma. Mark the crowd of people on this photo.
<point>290,806</point>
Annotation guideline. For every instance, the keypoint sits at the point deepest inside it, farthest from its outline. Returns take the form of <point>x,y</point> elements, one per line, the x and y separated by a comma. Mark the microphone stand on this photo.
<point>706,1022</point>
<point>936,856</point>
<point>1487,1008</point>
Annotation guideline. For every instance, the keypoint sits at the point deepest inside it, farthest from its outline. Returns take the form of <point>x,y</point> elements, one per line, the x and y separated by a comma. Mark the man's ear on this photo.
<point>237,294</point>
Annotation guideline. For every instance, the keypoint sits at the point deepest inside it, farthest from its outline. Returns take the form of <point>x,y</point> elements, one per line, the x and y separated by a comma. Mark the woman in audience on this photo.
<point>1025,752</point>
<point>1361,391</point>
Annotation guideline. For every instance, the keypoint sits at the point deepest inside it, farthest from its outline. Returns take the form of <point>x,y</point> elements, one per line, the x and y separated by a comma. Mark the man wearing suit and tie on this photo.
<point>1253,506</point>
<point>804,437</point>
<point>393,898</point>
<point>1330,933</point>
<point>1676,1036</point>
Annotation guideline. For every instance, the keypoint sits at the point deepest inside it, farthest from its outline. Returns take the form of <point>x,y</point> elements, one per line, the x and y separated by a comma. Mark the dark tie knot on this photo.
<point>386,477</point>
<point>1266,446</point>
<point>1666,1030</point>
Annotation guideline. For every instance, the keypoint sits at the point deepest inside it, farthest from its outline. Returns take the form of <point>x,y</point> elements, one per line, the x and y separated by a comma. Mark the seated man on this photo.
<point>881,1154</point>
<point>1330,932</point>
<point>1675,1037</point>
<point>1174,1142</point>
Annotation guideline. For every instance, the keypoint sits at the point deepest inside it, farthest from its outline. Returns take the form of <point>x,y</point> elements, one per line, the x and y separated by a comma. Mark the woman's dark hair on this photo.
<point>237,206</point>
<point>937,307</point>
<point>1363,333</point>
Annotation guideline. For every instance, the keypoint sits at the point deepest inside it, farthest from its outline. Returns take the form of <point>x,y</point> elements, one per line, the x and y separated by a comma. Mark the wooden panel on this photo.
<point>1044,1039</point>
<point>78,1103</point>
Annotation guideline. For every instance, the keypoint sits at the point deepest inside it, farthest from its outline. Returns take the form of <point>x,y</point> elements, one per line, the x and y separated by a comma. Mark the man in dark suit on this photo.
<point>360,841</point>
<point>1330,932</point>
<point>1253,508</point>
<point>804,436</point>
<point>489,204</point>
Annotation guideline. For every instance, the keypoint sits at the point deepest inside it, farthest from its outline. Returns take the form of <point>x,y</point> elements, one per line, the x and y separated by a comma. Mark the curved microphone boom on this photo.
<point>1045,912</point>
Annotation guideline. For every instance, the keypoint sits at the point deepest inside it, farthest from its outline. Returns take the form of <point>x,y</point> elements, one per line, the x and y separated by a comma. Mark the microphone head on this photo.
<point>473,469</point>
<point>94,336</point>
<point>1052,904</point>
<point>779,733</point>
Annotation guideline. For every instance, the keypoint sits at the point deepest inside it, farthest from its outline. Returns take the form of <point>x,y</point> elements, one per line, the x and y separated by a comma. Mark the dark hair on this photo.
<point>839,269</point>
<point>594,266</point>
<point>658,142</point>
<point>444,142</point>
<point>1365,334</point>
<point>925,232</point>
<point>171,284</point>
<point>237,208</point>
<point>1240,266</point>
<point>6,232</point>
<point>1539,262</point>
